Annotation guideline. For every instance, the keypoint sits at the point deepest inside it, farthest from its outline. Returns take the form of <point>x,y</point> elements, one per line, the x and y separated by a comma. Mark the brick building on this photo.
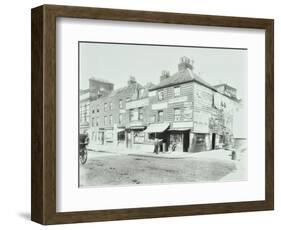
<point>97,88</point>
<point>183,110</point>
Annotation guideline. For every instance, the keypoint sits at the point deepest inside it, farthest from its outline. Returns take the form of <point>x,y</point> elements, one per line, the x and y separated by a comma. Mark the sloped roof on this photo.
<point>184,76</point>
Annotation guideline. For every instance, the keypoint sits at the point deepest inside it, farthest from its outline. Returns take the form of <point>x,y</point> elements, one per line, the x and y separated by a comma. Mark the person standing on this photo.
<point>156,145</point>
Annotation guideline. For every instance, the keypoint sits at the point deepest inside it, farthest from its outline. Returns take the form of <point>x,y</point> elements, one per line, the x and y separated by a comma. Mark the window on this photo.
<point>141,111</point>
<point>110,105</point>
<point>120,104</point>
<point>97,122</point>
<point>127,99</point>
<point>105,107</point>
<point>93,121</point>
<point>120,120</point>
<point>160,117</point>
<point>177,114</point>
<point>177,91</point>
<point>160,95</point>
<point>141,92</point>
<point>105,120</point>
<point>187,114</point>
<point>93,111</point>
<point>98,109</point>
<point>153,119</point>
<point>133,115</point>
<point>110,119</point>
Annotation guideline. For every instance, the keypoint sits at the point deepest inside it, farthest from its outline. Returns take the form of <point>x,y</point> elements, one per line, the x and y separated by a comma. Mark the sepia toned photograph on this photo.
<point>161,114</point>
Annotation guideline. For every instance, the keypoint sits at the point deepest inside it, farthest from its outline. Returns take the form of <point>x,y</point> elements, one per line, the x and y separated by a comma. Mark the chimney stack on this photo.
<point>185,63</point>
<point>132,81</point>
<point>165,74</point>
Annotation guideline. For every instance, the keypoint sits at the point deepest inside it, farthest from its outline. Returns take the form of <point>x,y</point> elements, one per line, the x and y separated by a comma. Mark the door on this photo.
<point>186,141</point>
<point>213,141</point>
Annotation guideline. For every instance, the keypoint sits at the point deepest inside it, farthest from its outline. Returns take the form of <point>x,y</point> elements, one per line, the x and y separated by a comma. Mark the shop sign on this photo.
<point>158,106</point>
<point>201,122</point>
<point>177,100</point>
<point>188,104</point>
<point>137,103</point>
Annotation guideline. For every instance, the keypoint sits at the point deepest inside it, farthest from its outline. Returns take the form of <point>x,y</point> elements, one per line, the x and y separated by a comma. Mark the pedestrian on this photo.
<point>156,145</point>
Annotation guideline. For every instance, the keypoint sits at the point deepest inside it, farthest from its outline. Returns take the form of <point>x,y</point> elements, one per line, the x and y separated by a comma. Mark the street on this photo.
<point>106,169</point>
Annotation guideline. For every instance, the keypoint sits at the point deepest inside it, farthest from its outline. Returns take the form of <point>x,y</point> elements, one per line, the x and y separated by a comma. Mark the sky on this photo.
<point>116,62</point>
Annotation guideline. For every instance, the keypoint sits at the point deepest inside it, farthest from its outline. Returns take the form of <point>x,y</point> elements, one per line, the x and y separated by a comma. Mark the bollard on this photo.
<point>233,155</point>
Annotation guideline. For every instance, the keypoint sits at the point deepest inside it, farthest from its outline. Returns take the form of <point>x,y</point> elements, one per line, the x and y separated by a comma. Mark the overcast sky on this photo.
<point>116,62</point>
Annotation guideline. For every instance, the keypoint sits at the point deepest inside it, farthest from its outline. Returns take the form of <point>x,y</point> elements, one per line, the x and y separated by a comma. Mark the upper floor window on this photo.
<point>177,91</point>
<point>110,105</point>
<point>141,112</point>
<point>177,114</point>
<point>93,121</point>
<point>160,117</point>
<point>93,111</point>
<point>161,95</point>
<point>121,104</point>
<point>133,115</point>
<point>105,106</point>
<point>120,118</point>
<point>98,109</point>
<point>141,92</point>
<point>153,119</point>
<point>110,119</point>
<point>105,120</point>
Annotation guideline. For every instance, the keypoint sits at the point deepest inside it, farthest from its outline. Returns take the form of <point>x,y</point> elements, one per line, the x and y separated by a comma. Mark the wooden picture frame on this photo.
<point>43,189</point>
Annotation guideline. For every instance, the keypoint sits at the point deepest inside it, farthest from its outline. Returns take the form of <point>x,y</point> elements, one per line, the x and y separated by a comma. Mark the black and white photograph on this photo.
<point>161,114</point>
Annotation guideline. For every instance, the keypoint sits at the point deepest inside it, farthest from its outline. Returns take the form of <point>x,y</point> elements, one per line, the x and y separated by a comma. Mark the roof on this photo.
<point>181,77</point>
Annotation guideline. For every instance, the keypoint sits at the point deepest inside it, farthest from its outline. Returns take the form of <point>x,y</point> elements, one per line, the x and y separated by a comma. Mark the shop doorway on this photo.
<point>213,141</point>
<point>186,141</point>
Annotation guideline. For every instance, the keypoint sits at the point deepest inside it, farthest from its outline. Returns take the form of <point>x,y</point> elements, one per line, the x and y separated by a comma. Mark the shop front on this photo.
<point>179,136</point>
<point>159,131</point>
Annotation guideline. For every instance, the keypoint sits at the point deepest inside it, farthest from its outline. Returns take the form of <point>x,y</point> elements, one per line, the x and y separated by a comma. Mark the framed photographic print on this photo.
<point>140,114</point>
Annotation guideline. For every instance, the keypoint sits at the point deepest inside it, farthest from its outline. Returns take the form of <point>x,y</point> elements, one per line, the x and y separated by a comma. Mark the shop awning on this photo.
<point>179,129</point>
<point>157,128</point>
<point>120,130</point>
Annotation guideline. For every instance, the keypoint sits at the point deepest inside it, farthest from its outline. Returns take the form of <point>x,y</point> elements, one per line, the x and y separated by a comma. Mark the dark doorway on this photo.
<point>213,140</point>
<point>186,141</point>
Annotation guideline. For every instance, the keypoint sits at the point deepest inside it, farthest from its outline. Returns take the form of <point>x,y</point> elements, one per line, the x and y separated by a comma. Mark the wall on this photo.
<point>15,114</point>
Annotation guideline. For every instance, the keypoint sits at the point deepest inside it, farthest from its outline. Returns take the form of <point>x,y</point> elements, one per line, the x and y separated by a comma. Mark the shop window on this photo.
<point>177,91</point>
<point>200,138</point>
<point>177,114</point>
<point>139,137</point>
<point>151,136</point>
<point>121,136</point>
<point>160,117</point>
<point>160,95</point>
